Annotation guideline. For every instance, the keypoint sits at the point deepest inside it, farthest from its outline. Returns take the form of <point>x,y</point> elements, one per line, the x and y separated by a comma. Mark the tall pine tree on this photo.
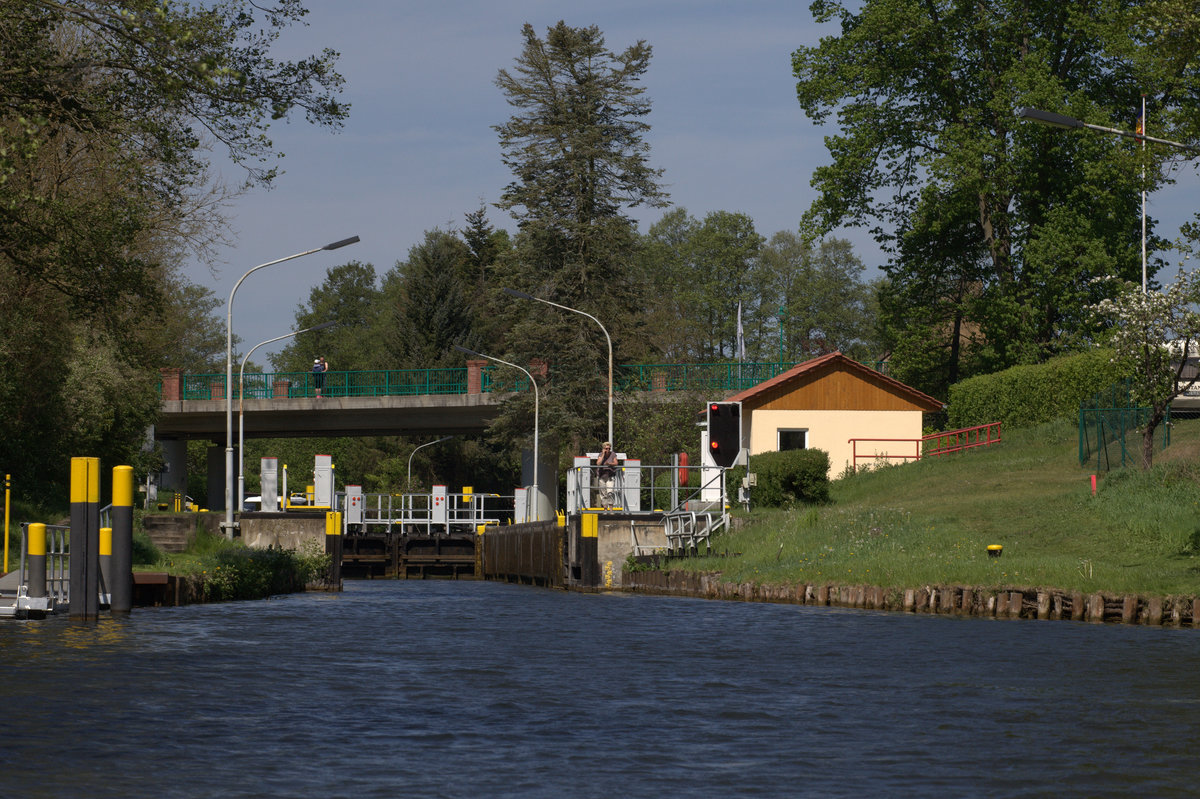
<point>579,159</point>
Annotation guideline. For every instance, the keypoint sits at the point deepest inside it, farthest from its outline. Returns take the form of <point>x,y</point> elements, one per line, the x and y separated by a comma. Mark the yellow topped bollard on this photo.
<point>333,547</point>
<point>84,598</point>
<point>120,575</point>
<point>35,550</point>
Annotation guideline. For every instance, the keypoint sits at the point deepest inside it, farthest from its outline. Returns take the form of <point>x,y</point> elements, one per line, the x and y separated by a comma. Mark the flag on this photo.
<point>741,340</point>
<point>1140,127</point>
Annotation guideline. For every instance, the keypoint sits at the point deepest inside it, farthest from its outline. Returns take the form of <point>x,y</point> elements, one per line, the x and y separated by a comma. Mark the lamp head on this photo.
<point>343,243</point>
<point>1048,118</point>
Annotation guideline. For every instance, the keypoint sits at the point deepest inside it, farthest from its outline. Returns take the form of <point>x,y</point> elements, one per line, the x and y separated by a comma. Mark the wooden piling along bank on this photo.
<point>1011,603</point>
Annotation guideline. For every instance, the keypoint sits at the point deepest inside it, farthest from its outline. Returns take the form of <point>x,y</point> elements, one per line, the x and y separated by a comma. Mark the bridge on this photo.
<point>460,401</point>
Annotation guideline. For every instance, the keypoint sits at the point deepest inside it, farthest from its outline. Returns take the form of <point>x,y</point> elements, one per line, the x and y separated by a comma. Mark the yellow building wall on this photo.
<point>832,430</point>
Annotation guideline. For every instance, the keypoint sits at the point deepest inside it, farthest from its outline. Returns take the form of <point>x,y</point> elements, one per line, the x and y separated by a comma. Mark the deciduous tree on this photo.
<point>929,153</point>
<point>1153,333</point>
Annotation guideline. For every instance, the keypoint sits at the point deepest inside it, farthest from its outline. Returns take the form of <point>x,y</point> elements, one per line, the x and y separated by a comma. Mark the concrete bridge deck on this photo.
<point>434,414</point>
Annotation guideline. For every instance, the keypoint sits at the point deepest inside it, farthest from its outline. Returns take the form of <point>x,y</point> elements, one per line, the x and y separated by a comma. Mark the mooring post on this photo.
<point>105,592</point>
<point>333,547</point>
<point>85,538</point>
<point>35,548</point>
<point>120,581</point>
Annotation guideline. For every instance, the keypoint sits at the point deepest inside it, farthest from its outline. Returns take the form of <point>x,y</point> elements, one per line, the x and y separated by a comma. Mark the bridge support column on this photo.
<point>216,480</point>
<point>174,475</point>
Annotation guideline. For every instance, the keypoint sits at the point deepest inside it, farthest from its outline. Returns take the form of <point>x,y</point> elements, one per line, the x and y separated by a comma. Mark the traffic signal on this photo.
<point>724,432</point>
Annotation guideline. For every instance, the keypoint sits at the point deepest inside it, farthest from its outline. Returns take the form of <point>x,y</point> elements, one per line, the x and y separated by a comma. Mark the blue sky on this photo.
<point>419,151</point>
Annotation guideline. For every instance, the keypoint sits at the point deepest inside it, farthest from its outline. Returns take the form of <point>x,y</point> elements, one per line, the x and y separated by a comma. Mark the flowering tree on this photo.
<point>1152,333</point>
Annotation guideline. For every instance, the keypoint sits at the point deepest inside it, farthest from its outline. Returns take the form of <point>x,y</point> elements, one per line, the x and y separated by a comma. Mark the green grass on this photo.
<point>221,570</point>
<point>930,523</point>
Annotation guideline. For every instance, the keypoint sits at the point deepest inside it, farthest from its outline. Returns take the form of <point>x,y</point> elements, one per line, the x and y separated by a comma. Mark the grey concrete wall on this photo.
<point>616,541</point>
<point>286,531</point>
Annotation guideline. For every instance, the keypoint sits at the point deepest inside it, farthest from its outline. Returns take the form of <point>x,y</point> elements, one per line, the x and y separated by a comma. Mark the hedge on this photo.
<point>1024,396</point>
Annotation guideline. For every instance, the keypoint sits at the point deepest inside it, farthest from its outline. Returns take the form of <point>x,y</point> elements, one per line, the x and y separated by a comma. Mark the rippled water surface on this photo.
<point>464,689</point>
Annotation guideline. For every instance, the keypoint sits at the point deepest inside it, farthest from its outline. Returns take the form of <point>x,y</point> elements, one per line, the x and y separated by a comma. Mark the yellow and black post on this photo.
<point>35,549</point>
<point>120,585</point>
<point>7,505</point>
<point>333,548</point>
<point>105,567</point>
<point>589,556</point>
<point>85,538</point>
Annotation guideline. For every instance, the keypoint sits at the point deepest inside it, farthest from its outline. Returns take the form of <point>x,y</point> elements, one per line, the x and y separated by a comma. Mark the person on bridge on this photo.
<point>320,367</point>
<point>606,474</point>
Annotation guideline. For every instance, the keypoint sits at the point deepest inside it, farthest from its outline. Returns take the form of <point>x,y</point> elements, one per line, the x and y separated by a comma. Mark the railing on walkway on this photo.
<point>291,385</point>
<point>690,514</point>
<point>416,512</point>
<point>928,446</point>
<point>710,377</point>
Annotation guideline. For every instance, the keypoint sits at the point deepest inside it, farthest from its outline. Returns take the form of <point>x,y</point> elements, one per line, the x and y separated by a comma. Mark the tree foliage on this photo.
<point>428,304</point>
<point>347,297</point>
<point>576,148</point>
<point>107,110</point>
<point>995,225</point>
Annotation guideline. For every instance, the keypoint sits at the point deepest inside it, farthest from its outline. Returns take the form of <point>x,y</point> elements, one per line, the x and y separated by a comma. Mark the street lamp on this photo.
<point>414,452</point>
<point>536,497</point>
<point>523,296</point>
<point>242,402</point>
<point>228,523</point>
<point>1063,121</point>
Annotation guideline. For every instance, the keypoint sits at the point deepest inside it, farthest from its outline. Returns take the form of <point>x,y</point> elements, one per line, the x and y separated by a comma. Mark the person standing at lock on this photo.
<point>606,475</point>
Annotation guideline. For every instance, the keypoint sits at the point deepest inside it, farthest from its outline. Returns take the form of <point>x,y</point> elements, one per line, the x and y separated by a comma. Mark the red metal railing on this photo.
<point>941,444</point>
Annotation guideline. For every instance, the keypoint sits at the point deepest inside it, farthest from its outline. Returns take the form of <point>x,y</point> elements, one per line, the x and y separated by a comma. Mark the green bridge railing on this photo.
<point>715,377</point>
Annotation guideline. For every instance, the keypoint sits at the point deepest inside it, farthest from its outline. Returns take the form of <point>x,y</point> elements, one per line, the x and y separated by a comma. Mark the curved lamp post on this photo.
<point>523,296</point>
<point>414,452</point>
<point>536,497</point>
<point>228,523</point>
<point>242,402</point>
<point>1063,121</point>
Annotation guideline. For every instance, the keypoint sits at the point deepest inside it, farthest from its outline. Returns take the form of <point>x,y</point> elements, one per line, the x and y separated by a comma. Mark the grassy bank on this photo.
<point>930,523</point>
<point>217,570</point>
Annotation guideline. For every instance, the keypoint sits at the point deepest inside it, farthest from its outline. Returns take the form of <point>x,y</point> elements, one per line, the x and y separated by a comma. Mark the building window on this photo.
<point>792,439</point>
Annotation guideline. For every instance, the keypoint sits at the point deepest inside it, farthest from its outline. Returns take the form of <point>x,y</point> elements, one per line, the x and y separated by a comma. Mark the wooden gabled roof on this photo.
<point>834,382</point>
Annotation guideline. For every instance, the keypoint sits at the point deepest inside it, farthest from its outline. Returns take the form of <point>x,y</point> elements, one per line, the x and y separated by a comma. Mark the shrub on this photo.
<point>1024,396</point>
<point>785,478</point>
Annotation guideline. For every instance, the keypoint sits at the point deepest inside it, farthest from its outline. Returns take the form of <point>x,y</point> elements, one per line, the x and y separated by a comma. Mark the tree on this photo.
<point>699,273</point>
<point>825,303</point>
<point>577,151</point>
<point>107,110</point>
<point>428,305</point>
<point>928,147</point>
<point>349,297</point>
<point>725,256</point>
<point>1153,334</point>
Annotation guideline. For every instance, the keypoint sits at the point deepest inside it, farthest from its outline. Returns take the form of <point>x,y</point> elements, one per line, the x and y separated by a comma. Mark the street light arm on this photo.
<point>532,382</point>
<point>523,296</point>
<point>414,452</point>
<point>1054,120</point>
<point>312,329</point>
<point>242,402</point>
<point>228,524</point>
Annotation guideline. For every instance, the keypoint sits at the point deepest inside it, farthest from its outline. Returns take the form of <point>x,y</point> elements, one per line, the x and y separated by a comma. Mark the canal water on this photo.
<point>465,689</point>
